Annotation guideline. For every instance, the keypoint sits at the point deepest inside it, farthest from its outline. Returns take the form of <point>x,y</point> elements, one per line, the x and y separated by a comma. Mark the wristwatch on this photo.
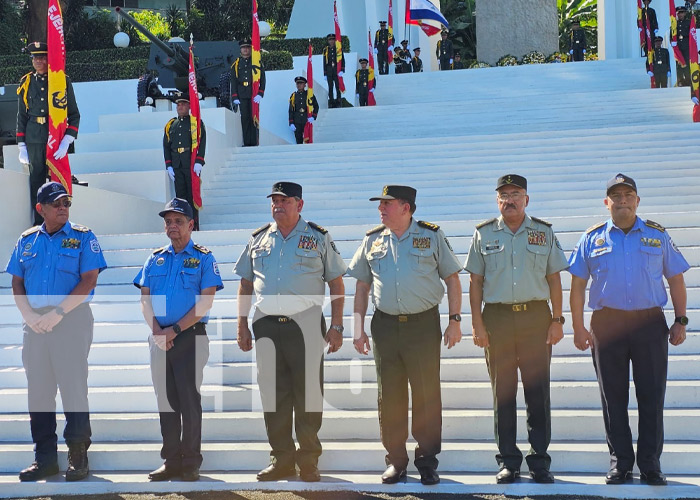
<point>456,317</point>
<point>560,319</point>
<point>683,320</point>
<point>59,310</point>
<point>177,329</point>
<point>339,328</point>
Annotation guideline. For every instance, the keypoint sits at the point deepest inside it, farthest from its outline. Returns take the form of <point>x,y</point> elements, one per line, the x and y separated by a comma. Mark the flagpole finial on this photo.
<point>191,39</point>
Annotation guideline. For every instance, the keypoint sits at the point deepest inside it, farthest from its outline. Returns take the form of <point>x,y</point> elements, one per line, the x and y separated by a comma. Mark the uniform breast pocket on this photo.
<point>377,260</point>
<point>601,262</point>
<point>494,257</point>
<point>157,276</point>
<point>309,261</point>
<point>260,257</point>
<point>653,261</point>
<point>69,262</point>
<point>422,260</point>
<point>537,257</point>
<point>190,277</point>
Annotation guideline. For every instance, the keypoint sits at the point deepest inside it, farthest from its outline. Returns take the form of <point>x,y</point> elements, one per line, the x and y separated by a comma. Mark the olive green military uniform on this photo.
<point>33,127</point>
<point>242,89</point>
<point>289,276</point>
<point>517,319</point>
<point>177,151</point>
<point>405,275</point>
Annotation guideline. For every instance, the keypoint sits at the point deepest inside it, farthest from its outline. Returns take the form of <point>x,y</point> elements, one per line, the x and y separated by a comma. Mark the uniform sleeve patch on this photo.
<point>216,269</point>
<point>95,246</point>
<point>335,249</point>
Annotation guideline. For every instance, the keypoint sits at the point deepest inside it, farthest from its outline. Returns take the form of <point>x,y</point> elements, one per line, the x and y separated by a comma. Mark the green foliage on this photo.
<point>507,60</point>
<point>557,57</point>
<point>583,11</point>
<point>89,30</point>
<point>153,22</point>
<point>533,57</point>
<point>85,72</point>
<point>85,57</point>
<point>278,59</point>
<point>300,46</point>
<point>11,32</point>
<point>175,18</point>
<point>461,16</point>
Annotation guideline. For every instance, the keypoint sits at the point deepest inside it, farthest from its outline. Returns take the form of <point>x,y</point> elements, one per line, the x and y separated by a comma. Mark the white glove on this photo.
<point>371,90</point>
<point>656,31</point>
<point>171,173</point>
<point>340,74</point>
<point>236,102</point>
<point>198,169</point>
<point>650,73</point>
<point>571,52</point>
<point>640,29</point>
<point>584,51</point>
<point>376,51</point>
<point>695,101</point>
<point>391,48</point>
<point>310,119</point>
<point>148,101</point>
<point>257,99</point>
<point>357,96</point>
<point>292,127</point>
<point>408,47</point>
<point>451,61</point>
<point>23,155</point>
<point>673,44</point>
<point>63,147</point>
<point>668,74</point>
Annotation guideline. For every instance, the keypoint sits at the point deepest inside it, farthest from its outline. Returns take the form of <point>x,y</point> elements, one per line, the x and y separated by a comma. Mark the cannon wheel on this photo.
<point>142,89</point>
<point>225,90</point>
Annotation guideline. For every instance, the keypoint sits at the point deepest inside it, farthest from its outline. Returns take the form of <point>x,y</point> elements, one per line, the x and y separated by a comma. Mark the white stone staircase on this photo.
<point>567,128</point>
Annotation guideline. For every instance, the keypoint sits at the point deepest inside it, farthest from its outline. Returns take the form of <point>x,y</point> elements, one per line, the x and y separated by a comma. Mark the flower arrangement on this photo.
<point>533,57</point>
<point>479,64</point>
<point>507,60</point>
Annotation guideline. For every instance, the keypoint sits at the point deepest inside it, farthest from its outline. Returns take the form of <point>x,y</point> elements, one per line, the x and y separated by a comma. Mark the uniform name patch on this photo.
<point>492,245</point>
<point>651,242</point>
<point>538,238</point>
<point>422,242</point>
<point>70,243</point>
<point>191,263</point>
<point>307,242</point>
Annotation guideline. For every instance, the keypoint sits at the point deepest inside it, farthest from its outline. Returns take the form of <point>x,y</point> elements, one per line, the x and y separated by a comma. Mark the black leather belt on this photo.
<point>405,318</point>
<point>278,319</point>
<point>520,307</point>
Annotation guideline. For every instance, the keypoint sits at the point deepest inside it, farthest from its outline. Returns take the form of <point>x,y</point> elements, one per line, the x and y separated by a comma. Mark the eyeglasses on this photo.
<point>616,197</point>
<point>61,203</point>
<point>510,196</point>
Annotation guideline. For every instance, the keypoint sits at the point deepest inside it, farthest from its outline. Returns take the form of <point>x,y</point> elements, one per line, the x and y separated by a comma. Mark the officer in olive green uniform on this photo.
<point>362,82</point>
<point>33,121</point>
<point>287,264</point>
<point>444,52</point>
<point>299,114</point>
<point>242,91</point>
<point>177,150</point>
<point>514,262</point>
<point>402,262</point>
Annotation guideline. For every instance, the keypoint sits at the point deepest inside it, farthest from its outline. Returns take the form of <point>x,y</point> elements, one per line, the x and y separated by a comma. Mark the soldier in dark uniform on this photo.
<point>458,64</point>
<point>648,12</point>
<point>683,30</point>
<point>331,73</point>
<point>383,43</point>
<point>398,61</point>
<point>177,150</point>
<point>33,121</point>
<point>362,78</point>
<point>662,64</point>
<point>298,109</point>
<point>406,56</point>
<point>242,92</point>
<point>577,45</point>
<point>444,52</point>
<point>416,63</point>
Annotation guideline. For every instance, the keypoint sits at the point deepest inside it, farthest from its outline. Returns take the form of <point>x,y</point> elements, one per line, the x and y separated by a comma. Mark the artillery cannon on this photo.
<point>170,62</point>
<point>8,116</point>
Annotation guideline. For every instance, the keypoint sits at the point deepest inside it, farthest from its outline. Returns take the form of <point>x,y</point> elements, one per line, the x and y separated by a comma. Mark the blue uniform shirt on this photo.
<point>627,269</point>
<point>176,280</point>
<point>51,265</point>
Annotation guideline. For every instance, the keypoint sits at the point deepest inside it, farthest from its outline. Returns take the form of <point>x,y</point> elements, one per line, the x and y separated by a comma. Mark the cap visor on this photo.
<point>382,197</point>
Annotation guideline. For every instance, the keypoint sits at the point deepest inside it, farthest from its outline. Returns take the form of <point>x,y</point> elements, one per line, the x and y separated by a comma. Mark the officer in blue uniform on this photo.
<point>178,283</point>
<point>54,270</point>
<point>627,258</point>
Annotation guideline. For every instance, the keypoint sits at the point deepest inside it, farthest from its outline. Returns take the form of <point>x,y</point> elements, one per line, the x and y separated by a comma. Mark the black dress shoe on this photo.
<point>653,478</point>
<point>618,476</point>
<point>77,463</point>
<point>428,476</point>
<point>190,474</point>
<point>542,475</point>
<point>310,474</point>
<point>507,475</point>
<point>275,472</point>
<point>38,471</point>
<point>393,475</point>
<point>163,473</point>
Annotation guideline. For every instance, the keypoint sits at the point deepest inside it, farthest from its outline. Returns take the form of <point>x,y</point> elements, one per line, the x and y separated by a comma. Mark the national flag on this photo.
<point>58,98</point>
<point>390,48</point>
<point>694,66</point>
<point>418,11</point>
<point>674,34</point>
<point>370,80</point>
<point>309,127</point>
<point>338,48</point>
<point>255,61</point>
<point>640,27</point>
<point>195,130</point>
<point>650,53</point>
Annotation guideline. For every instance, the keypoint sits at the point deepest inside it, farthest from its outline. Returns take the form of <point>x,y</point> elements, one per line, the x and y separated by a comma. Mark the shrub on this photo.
<point>507,60</point>
<point>557,57</point>
<point>11,32</point>
<point>533,57</point>
<point>300,46</point>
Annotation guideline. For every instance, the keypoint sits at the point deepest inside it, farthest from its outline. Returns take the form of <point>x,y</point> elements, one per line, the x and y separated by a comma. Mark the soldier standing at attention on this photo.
<point>444,51</point>
<point>662,64</point>
<point>177,150</point>
<point>683,29</point>
<point>298,109</point>
<point>242,71</point>
<point>577,42</point>
<point>416,63</point>
<point>362,78</point>
<point>383,43</point>
<point>33,121</point>
<point>458,64</point>
<point>331,73</point>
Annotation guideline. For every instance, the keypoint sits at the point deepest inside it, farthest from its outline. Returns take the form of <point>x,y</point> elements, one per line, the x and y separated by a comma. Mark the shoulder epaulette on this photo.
<point>594,227</point>
<point>261,229</point>
<point>541,221</point>
<point>78,227</point>
<point>21,80</point>
<point>376,229</point>
<point>485,223</point>
<point>428,225</point>
<point>655,225</point>
<point>202,249</point>
<point>318,228</point>
<point>167,125</point>
<point>160,250</point>
<point>29,231</point>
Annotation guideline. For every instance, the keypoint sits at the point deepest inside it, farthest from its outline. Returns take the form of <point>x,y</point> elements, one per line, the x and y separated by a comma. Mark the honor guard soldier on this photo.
<point>514,263</point>
<point>662,64</point>
<point>627,258</point>
<point>683,30</point>
<point>299,109</point>
<point>331,73</point>
<point>362,79</point>
<point>383,44</point>
<point>648,13</point>
<point>398,61</point>
<point>402,262</point>
<point>444,51</point>
<point>416,62</point>
<point>242,71</point>
<point>577,42</point>
<point>54,270</point>
<point>178,283</point>
<point>458,64</point>
<point>33,121</point>
<point>177,150</point>
<point>287,264</point>
<point>406,56</point>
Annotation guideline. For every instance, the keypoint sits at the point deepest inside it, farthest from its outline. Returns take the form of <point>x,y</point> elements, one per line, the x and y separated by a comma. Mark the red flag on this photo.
<point>370,84</point>
<point>650,53</point>
<point>338,48</point>
<point>640,27</point>
<point>255,61</point>
<point>694,69</point>
<point>309,127</point>
<point>390,48</point>
<point>674,34</point>
<point>58,109</point>
<point>196,131</point>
